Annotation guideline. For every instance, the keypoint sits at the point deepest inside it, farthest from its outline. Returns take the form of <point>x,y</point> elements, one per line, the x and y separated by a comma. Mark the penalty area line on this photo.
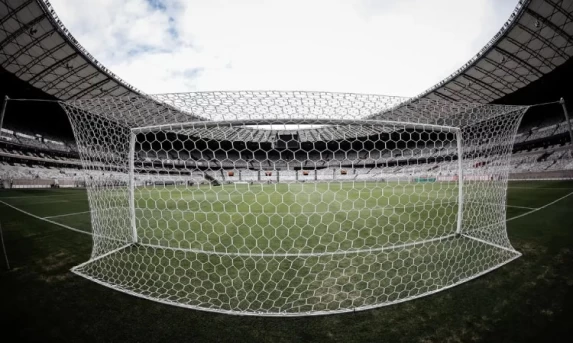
<point>40,196</point>
<point>46,220</point>
<point>89,233</point>
<point>539,208</point>
<point>44,202</point>
<point>67,214</point>
<point>494,204</point>
<point>523,207</point>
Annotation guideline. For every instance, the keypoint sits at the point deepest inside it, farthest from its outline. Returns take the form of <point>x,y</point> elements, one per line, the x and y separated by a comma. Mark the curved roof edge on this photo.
<point>535,40</point>
<point>513,18</point>
<point>38,49</point>
<point>58,24</point>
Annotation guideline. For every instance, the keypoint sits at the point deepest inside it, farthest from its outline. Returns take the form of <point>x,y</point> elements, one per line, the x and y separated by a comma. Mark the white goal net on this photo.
<point>293,203</point>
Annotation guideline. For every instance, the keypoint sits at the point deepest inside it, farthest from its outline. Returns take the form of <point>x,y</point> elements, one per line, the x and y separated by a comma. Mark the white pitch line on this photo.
<point>539,208</point>
<point>46,220</point>
<point>40,196</point>
<point>300,254</point>
<point>494,204</point>
<point>533,188</point>
<point>67,214</point>
<point>89,233</point>
<point>371,209</point>
<point>527,208</point>
<point>44,202</point>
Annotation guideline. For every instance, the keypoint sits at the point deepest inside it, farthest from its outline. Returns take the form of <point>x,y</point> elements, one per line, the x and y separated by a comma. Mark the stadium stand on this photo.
<point>526,62</point>
<point>44,162</point>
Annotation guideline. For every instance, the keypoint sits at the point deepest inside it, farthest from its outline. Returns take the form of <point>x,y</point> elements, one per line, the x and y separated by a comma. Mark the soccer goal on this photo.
<point>293,203</point>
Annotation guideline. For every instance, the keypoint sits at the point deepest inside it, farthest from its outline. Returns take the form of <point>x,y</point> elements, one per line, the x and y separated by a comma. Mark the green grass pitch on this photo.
<point>267,247</point>
<point>309,218</point>
<point>529,299</point>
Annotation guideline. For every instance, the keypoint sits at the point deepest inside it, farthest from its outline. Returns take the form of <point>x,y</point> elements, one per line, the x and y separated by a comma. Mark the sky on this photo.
<point>389,47</point>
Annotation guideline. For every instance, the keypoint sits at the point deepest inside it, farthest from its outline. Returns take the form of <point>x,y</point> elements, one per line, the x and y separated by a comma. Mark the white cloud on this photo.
<point>399,47</point>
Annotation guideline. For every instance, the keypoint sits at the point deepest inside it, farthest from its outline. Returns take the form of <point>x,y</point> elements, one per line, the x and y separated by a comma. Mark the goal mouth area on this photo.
<point>295,218</point>
<point>295,285</point>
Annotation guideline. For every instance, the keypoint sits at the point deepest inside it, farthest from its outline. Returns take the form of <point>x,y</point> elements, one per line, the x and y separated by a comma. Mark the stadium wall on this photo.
<point>544,175</point>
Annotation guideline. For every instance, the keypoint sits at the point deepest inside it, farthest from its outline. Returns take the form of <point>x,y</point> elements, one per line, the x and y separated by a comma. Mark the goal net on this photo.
<point>293,203</point>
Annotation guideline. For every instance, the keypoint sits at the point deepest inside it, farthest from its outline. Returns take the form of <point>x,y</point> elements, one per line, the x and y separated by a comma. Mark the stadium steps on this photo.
<point>551,165</point>
<point>544,156</point>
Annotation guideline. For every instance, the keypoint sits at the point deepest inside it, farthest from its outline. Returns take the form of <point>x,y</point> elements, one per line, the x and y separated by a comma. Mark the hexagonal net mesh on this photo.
<point>293,203</point>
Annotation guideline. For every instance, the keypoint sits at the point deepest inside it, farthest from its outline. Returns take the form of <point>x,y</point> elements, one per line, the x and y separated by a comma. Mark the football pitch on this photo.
<point>296,218</point>
<point>287,249</point>
<point>47,232</point>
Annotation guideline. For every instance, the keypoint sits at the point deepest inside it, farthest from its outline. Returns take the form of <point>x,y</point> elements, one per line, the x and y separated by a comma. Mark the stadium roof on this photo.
<point>536,39</point>
<point>36,47</point>
<point>39,50</point>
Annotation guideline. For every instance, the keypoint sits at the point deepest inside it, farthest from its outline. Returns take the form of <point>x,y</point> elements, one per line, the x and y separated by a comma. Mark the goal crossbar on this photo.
<point>283,121</point>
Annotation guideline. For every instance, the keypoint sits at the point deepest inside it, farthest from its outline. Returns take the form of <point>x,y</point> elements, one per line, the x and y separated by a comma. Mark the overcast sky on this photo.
<point>391,47</point>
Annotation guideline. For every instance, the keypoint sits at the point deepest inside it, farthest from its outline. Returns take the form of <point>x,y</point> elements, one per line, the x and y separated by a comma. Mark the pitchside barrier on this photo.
<point>545,175</point>
<point>42,183</point>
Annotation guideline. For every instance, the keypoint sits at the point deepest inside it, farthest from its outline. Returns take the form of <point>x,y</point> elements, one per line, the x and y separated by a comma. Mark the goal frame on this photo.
<point>440,169</point>
<point>230,123</point>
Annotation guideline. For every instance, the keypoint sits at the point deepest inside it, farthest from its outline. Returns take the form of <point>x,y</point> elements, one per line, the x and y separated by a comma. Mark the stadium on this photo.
<point>347,217</point>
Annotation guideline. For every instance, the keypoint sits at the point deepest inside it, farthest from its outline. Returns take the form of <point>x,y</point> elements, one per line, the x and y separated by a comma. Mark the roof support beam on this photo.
<point>496,78</point>
<point>526,48</point>
<point>27,47</point>
<point>53,67</point>
<point>508,71</point>
<point>127,91</point>
<point>545,21</point>
<point>90,88</point>
<point>544,40</point>
<point>65,76</point>
<point>519,61</point>
<point>21,30</point>
<point>466,87</point>
<point>494,90</point>
<point>38,58</point>
<point>442,96</point>
<point>61,92</point>
<point>559,8</point>
<point>456,93</point>
<point>11,12</point>
<point>110,90</point>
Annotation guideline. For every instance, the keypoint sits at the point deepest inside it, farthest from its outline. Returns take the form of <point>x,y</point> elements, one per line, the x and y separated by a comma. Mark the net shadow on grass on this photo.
<point>290,285</point>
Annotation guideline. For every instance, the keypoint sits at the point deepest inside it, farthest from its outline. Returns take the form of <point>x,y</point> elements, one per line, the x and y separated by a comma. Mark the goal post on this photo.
<point>293,203</point>
<point>459,144</point>
<point>131,185</point>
